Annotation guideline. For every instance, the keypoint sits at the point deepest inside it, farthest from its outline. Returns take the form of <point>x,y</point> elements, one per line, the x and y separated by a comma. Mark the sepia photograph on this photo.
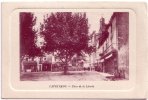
<point>74,46</point>
<point>74,50</point>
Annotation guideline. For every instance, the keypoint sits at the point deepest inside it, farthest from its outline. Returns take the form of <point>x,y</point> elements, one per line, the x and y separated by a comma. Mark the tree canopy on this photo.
<point>66,34</point>
<point>28,35</point>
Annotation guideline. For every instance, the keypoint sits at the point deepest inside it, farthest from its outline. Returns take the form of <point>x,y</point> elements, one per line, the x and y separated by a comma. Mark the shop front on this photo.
<point>110,62</point>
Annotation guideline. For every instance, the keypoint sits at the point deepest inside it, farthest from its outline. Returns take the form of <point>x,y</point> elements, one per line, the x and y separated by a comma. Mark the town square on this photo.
<point>74,46</point>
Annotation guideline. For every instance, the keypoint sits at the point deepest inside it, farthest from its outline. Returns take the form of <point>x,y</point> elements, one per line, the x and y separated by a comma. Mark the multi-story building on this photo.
<point>94,56</point>
<point>114,44</point>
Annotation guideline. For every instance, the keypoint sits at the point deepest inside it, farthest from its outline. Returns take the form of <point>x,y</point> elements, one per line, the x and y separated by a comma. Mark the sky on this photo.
<point>93,20</point>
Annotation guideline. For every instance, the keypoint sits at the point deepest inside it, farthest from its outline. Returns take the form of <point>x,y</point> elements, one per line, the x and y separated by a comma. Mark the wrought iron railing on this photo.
<point>109,48</point>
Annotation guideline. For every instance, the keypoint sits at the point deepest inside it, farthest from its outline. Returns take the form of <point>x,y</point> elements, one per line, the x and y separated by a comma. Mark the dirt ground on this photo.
<point>59,76</point>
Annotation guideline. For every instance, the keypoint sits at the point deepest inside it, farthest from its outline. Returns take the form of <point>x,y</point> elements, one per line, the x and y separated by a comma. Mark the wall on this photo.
<point>123,44</point>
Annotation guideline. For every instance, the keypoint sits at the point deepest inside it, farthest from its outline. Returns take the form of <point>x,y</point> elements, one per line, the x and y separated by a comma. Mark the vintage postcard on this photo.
<point>74,46</point>
<point>88,51</point>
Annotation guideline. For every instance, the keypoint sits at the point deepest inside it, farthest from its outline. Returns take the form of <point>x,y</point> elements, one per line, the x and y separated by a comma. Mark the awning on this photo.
<point>109,56</point>
<point>102,60</point>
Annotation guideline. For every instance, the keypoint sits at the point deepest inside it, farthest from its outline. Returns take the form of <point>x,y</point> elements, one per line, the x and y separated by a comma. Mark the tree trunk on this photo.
<point>21,64</point>
<point>65,69</point>
<point>66,66</point>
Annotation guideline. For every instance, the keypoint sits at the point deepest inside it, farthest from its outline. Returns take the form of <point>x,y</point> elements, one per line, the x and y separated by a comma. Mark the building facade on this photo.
<point>36,64</point>
<point>50,63</point>
<point>114,45</point>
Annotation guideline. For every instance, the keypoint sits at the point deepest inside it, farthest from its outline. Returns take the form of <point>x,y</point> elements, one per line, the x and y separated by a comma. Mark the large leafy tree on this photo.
<point>28,35</point>
<point>66,34</point>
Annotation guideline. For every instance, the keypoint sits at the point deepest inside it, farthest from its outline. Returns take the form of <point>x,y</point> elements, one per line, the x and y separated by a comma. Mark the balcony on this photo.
<point>110,49</point>
<point>103,37</point>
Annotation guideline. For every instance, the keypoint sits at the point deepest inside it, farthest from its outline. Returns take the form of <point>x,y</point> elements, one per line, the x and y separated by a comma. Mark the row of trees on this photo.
<point>65,34</point>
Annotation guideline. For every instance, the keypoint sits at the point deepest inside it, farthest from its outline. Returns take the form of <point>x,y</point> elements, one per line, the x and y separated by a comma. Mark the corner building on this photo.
<point>114,45</point>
